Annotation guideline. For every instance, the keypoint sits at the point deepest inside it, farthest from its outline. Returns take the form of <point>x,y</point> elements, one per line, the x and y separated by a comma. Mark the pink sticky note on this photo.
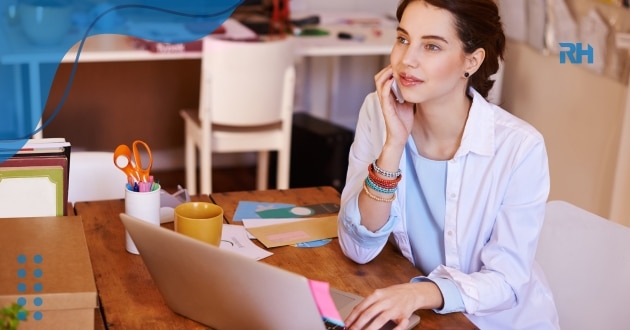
<point>324,301</point>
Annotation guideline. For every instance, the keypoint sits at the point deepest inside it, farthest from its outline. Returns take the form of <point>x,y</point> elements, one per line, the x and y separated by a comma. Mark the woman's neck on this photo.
<point>438,127</point>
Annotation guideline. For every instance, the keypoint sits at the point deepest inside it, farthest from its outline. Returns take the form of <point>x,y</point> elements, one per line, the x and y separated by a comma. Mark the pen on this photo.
<point>310,32</point>
<point>142,186</point>
<point>360,21</point>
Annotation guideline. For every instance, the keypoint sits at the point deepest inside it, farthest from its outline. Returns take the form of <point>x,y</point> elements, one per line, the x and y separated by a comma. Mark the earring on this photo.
<point>466,74</point>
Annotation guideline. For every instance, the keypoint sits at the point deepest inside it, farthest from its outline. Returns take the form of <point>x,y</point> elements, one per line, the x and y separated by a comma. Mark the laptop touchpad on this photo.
<point>343,299</point>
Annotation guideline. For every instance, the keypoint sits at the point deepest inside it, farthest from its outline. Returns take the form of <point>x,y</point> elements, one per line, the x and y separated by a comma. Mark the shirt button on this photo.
<point>453,195</point>
<point>450,233</point>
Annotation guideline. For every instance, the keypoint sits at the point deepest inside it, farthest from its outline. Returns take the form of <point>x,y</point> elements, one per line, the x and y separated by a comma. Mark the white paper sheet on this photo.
<point>234,238</point>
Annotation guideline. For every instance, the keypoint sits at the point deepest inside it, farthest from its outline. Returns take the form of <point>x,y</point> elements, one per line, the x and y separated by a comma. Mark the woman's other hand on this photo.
<point>395,303</point>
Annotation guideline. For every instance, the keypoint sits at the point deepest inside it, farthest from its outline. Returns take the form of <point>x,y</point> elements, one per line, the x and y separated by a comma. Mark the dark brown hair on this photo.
<point>478,25</point>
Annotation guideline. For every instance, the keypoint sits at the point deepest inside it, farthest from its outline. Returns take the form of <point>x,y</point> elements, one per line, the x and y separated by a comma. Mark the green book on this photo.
<point>32,191</point>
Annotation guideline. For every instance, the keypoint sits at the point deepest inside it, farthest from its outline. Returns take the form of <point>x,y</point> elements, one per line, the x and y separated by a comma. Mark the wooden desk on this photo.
<point>129,299</point>
<point>389,268</point>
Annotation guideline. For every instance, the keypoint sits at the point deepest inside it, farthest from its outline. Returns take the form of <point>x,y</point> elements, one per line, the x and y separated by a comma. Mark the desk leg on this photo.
<point>324,86</point>
<point>335,86</point>
<point>319,87</point>
<point>19,101</point>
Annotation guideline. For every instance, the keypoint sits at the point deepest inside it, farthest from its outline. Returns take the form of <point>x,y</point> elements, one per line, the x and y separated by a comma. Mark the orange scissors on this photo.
<point>133,166</point>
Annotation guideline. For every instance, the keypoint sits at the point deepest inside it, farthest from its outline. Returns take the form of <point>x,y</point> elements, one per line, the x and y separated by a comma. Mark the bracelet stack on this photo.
<point>377,183</point>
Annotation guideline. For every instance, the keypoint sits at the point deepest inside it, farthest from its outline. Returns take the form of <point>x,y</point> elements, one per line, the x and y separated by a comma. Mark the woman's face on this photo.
<point>428,58</point>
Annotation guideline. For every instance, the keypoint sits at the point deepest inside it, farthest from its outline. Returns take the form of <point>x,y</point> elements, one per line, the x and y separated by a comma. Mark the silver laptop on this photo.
<point>225,290</point>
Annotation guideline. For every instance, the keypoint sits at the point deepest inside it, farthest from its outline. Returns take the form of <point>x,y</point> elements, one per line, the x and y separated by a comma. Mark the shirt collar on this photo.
<point>478,134</point>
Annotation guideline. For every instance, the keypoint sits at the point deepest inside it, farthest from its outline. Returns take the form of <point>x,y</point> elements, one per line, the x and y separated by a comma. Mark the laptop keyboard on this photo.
<point>333,326</point>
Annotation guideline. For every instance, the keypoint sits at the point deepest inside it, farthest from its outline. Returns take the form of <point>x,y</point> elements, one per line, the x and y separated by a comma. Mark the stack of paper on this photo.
<point>34,179</point>
<point>279,232</point>
<point>278,224</point>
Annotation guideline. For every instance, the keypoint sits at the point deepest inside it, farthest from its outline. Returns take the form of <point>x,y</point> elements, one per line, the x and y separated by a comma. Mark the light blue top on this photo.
<point>426,191</point>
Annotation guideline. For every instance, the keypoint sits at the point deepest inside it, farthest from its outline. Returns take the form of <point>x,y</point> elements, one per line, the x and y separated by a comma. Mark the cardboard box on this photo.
<point>45,266</point>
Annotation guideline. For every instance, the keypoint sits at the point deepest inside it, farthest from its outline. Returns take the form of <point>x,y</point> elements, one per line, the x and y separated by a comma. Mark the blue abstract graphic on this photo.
<point>35,35</point>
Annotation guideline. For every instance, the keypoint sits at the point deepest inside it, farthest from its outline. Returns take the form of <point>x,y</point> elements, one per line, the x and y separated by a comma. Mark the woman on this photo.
<point>457,183</point>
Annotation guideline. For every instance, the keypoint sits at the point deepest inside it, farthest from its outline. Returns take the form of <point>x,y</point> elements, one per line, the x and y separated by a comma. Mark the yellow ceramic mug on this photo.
<point>200,220</point>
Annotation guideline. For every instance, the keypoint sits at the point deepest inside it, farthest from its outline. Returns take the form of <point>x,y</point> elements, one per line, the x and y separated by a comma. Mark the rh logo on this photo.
<point>575,52</point>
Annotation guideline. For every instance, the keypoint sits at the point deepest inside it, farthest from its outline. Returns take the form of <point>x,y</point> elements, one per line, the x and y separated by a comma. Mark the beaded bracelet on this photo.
<point>382,185</point>
<point>385,183</point>
<point>375,187</point>
<point>384,173</point>
<point>376,198</point>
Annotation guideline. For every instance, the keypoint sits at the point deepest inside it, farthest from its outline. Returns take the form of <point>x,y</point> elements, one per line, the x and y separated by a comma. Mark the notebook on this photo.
<point>224,290</point>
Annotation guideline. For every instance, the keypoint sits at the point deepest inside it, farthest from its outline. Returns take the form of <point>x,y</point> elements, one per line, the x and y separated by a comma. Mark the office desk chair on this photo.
<point>93,176</point>
<point>586,260</point>
<point>246,105</point>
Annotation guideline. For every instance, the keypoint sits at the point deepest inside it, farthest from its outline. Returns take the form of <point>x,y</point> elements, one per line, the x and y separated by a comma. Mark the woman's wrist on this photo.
<point>428,295</point>
<point>394,144</point>
<point>389,159</point>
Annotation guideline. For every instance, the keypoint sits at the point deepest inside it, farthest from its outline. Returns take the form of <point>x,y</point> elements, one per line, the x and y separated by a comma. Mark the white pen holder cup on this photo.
<point>144,206</point>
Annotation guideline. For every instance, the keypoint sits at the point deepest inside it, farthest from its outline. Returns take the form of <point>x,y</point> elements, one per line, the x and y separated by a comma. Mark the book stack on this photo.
<point>34,179</point>
<point>166,47</point>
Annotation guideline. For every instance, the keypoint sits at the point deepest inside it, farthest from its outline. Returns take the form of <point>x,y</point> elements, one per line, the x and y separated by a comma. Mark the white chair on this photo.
<point>93,176</point>
<point>246,105</point>
<point>586,259</point>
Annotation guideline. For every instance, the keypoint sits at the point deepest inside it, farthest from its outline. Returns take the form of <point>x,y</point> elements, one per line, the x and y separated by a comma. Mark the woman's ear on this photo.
<point>474,60</point>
